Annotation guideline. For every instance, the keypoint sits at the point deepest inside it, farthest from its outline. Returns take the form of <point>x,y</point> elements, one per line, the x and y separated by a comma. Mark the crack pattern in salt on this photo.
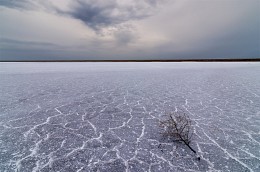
<point>109,121</point>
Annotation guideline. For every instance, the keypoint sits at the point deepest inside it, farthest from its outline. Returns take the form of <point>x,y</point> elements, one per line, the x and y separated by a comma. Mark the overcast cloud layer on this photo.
<point>129,29</point>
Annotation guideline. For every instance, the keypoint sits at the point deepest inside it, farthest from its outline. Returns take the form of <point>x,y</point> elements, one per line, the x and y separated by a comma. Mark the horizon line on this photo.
<point>175,60</point>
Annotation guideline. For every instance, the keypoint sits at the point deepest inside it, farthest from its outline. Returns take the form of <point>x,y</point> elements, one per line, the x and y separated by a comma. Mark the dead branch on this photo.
<point>178,127</point>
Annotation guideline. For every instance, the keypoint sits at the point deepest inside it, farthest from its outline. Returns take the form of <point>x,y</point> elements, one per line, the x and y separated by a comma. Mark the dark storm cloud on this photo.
<point>97,14</point>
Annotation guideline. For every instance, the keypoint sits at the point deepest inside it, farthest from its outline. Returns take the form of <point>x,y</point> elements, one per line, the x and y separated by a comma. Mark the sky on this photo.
<point>129,29</point>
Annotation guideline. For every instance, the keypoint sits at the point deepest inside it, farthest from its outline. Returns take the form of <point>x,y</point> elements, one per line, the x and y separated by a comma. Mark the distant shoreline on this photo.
<point>177,60</point>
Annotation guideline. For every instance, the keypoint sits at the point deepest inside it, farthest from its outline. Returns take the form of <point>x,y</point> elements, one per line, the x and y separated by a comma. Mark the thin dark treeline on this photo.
<point>176,60</point>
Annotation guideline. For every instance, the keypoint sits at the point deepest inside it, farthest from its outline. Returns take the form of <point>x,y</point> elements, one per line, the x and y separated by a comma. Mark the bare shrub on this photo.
<point>177,126</point>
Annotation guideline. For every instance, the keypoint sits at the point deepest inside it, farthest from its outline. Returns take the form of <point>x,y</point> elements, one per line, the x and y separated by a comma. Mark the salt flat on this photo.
<point>104,116</point>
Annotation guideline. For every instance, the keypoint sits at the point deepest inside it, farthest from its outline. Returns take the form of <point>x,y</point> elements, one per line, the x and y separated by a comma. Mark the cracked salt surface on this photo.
<point>104,116</point>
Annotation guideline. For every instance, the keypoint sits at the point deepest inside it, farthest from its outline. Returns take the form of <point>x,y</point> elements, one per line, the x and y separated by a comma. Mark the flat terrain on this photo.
<point>104,116</point>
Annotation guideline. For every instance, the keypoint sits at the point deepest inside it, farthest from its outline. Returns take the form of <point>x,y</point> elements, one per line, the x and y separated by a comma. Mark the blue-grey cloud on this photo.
<point>12,3</point>
<point>20,4</point>
<point>4,42</point>
<point>10,49</point>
